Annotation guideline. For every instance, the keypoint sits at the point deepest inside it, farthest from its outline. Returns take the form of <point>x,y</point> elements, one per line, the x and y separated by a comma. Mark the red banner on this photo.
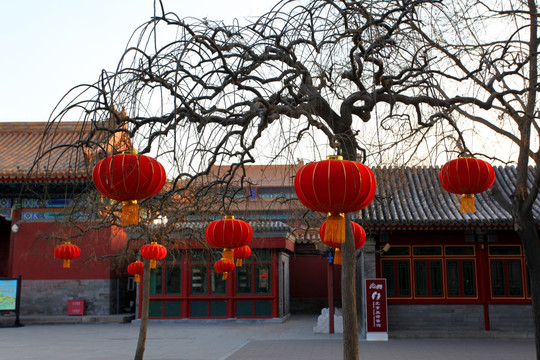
<point>376,311</point>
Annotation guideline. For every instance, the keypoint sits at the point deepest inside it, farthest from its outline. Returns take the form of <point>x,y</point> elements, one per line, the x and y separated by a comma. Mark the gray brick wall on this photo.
<point>436,317</point>
<point>511,318</point>
<point>459,317</point>
<point>370,264</point>
<point>50,297</point>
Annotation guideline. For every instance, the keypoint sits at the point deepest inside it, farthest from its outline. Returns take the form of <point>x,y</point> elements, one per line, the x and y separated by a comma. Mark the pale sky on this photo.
<point>49,46</point>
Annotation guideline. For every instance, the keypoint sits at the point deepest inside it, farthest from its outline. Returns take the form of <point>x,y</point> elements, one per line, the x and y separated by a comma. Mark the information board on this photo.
<point>8,294</point>
<point>376,310</point>
<point>10,297</point>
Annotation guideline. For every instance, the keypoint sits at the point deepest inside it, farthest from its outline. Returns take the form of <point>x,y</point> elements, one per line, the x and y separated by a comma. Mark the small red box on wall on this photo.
<point>76,307</point>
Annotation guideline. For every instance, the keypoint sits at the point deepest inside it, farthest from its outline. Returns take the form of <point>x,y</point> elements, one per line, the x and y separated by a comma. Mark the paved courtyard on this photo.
<point>293,339</point>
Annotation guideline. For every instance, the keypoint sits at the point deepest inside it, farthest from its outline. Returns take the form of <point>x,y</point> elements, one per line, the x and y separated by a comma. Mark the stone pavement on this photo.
<point>231,340</point>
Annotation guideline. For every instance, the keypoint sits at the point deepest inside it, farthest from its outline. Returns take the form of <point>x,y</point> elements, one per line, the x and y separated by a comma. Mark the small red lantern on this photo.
<point>467,176</point>
<point>153,252</point>
<point>66,252</point>
<point>241,253</point>
<point>335,186</point>
<point>359,236</point>
<point>224,266</point>
<point>129,177</point>
<point>136,269</point>
<point>228,233</point>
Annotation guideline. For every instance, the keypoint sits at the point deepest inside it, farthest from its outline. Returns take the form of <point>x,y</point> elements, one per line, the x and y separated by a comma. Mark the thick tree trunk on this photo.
<point>526,229</point>
<point>145,305</point>
<point>348,296</point>
<point>348,272</point>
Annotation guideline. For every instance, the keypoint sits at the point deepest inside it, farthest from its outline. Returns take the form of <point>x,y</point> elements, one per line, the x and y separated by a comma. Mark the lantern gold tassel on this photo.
<point>238,262</point>
<point>337,257</point>
<point>130,213</point>
<point>228,254</point>
<point>467,203</point>
<point>153,264</point>
<point>225,275</point>
<point>137,278</point>
<point>66,264</point>
<point>335,228</point>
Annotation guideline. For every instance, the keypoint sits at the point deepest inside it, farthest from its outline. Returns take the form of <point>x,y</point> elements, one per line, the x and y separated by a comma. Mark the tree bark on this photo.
<point>348,295</point>
<point>348,268</point>
<point>526,229</point>
<point>145,305</point>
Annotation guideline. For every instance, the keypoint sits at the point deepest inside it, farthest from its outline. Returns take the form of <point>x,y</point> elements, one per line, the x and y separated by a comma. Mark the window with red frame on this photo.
<point>422,272</point>
<point>507,269</point>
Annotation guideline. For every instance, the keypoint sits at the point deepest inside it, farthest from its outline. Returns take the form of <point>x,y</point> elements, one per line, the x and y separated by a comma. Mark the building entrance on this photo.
<point>5,232</point>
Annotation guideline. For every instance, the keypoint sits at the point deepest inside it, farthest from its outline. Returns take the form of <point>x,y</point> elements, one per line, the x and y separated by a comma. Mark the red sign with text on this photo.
<point>376,311</point>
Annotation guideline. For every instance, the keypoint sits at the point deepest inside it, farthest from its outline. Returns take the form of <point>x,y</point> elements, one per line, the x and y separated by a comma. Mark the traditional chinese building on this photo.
<point>35,198</point>
<point>444,270</point>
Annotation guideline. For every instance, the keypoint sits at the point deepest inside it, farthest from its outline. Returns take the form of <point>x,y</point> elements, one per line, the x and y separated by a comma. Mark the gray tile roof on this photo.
<point>412,197</point>
<point>259,227</point>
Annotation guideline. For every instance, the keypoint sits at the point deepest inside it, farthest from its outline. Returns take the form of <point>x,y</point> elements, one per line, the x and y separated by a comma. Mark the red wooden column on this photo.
<point>186,284</point>
<point>330,297</point>
<point>274,272</point>
<point>483,281</point>
<point>16,214</point>
<point>231,294</point>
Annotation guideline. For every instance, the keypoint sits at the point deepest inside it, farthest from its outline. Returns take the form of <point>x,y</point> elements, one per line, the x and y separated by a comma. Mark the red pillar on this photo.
<point>16,214</point>
<point>330,297</point>
<point>483,282</point>
<point>274,273</point>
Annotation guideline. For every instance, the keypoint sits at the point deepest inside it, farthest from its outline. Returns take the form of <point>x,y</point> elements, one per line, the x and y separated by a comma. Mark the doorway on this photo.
<point>5,232</point>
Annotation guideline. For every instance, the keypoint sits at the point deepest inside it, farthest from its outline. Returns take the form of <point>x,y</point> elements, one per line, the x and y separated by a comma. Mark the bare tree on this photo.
<point>487,51</point>
<point>409,74</point>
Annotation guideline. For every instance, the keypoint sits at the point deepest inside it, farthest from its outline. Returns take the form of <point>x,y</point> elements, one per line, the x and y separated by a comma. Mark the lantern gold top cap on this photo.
<point>130,152</point>
<point>334,157</point>
<point>229,216</point>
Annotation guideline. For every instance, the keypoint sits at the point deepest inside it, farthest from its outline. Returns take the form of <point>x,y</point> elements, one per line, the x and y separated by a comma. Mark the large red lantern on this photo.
<point>467,176</point>
<point>241,253</point>
<point>153,252</point>
<point>129,177</point>
<point>335,186</point>
<point>359,236</point>
<point>66,252</point>
<point>136,269</point>
<point>224,266</point>
<point>228,233</point>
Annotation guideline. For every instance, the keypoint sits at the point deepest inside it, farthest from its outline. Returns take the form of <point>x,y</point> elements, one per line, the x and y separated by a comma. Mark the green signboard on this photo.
<point>8,294</point>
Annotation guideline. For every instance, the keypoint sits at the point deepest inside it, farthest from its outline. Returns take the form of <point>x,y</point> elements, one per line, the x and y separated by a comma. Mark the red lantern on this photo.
<point>467,176</point>
<point>136,269</point>
<point>66,252</point>
<point>228,233</point>
<point>224,266</point>
<point>240,253</point>
<point>129,177</point>
<point>359,236</point>
<point>153,252</point>
<point>335,186</point>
